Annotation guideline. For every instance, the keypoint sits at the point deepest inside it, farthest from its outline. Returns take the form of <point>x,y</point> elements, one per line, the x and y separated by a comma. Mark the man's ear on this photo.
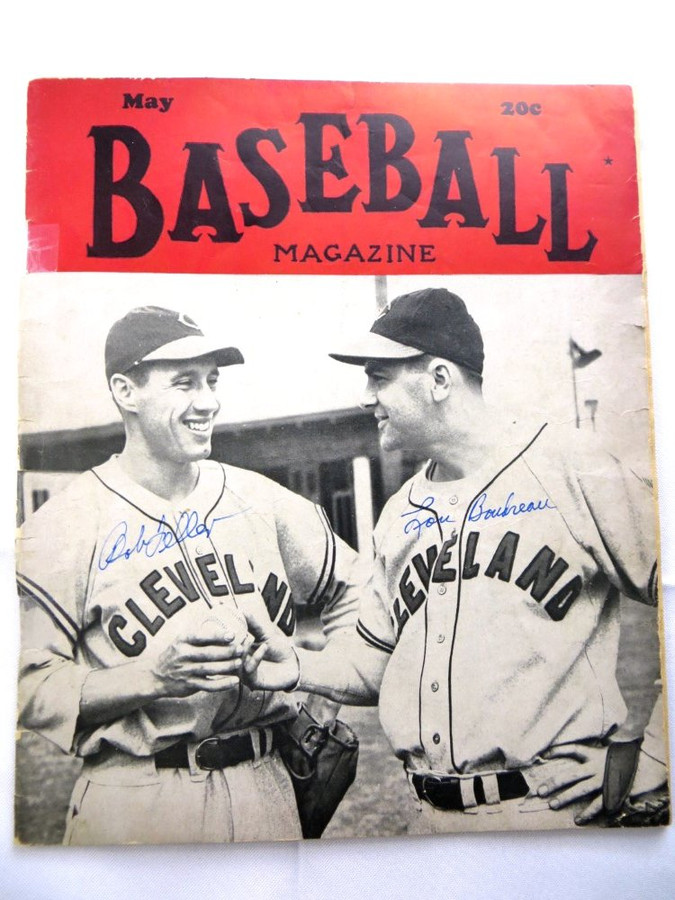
<point>442,375</point>
<point>122,389</point>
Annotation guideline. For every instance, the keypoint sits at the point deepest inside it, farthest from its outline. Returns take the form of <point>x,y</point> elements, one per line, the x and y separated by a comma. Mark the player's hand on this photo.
<point>574,772</point>
<point>270,663</point>
<point>208,659</point>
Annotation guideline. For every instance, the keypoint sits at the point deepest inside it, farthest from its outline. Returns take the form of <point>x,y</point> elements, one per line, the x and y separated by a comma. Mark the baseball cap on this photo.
<point>150,333</point>
<point>432,320</point>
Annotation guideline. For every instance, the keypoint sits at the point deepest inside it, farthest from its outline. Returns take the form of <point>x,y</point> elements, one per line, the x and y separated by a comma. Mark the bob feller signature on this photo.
<point>120,544</point>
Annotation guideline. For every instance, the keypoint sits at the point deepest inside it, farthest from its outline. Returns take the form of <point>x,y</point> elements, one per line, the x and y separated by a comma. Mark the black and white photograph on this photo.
<point>379,509</point>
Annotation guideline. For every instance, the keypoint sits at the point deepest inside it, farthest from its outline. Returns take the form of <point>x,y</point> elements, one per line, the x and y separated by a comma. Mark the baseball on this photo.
<point>231,619</point>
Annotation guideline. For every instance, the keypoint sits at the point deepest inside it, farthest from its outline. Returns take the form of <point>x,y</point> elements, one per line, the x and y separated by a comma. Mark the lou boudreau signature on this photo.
<point>480,509</point>
<point>148,542</point>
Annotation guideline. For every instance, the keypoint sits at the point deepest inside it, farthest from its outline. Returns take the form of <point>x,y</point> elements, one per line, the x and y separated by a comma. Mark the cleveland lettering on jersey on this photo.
<point>211,579</point>
<point>538,576</point>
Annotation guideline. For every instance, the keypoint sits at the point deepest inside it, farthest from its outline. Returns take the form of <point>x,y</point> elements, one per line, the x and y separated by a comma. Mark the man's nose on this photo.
<point>206,400</point>
<point>368,398</point>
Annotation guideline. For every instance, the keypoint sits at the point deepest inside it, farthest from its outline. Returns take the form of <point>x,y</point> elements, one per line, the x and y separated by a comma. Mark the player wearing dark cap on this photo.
<point>491,636</point>
<point>133,584</point>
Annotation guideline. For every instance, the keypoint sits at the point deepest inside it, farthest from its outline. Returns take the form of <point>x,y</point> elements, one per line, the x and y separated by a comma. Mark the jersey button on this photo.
<point>434,686</point>
<point>441,589</point>
<point>436,738</point>
<point>454,499</point>
<point>440,638</point>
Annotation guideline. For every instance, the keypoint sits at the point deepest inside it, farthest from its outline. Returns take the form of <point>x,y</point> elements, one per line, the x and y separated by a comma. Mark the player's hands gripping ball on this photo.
<point>231,623</point>
<point>205,658</point>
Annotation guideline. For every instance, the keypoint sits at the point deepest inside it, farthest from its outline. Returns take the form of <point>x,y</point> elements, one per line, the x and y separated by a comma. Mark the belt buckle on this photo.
<point>207,754</point>
<point>435,779</point>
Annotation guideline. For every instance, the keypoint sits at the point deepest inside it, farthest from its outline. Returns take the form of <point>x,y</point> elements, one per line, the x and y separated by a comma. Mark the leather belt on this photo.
<point>445,792</point>
<point>217,752</point>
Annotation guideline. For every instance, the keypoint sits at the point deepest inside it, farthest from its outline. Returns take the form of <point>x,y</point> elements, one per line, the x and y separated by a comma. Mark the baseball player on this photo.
<point>133,584</point>
<point>491,635</point>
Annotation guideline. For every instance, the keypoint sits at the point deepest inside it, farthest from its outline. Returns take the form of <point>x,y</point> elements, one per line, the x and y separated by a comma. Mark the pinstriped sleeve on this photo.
<point>375,624</point>
<point>54,549</point>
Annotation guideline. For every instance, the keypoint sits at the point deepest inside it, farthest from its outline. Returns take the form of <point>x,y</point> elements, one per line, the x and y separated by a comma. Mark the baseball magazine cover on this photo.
<point>348,527</point>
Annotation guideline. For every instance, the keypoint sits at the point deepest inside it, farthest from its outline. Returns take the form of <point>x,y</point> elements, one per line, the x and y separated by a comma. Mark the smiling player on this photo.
<point>492,632</point>
<point>134,582</point>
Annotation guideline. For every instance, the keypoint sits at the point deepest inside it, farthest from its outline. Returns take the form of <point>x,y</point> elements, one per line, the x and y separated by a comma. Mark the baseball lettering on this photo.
<point>216,581</point>
<point>442,570</point>
<point>424,567</point>
<point>211,576</point>
<point>151,625</point>
<point>280,607</point>
<point>238,587</point>
<point>394,184</point>
<point>158,595</point>
<point>132,647</point>
<point>542,573</point>
<point>538,577</point>
<point>501,564</point>
<point>203,176</point>
<point>178,575</point>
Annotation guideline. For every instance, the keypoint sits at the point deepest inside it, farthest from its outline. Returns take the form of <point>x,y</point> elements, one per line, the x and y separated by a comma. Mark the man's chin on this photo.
<point>392,441</point>
<point>201,451</point>
<point>389,442</point>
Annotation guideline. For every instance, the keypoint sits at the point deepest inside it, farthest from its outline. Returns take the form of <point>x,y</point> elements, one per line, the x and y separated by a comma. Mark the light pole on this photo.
<point>580,359</point>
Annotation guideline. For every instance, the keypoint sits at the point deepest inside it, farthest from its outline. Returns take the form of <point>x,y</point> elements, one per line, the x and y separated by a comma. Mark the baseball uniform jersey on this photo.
<point>109,572</point>
<point>496,602</point>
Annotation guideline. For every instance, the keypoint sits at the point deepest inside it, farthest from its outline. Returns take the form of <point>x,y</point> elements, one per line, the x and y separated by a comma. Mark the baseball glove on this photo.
<point>620,808</point>
<point>321,760</point>
<point>648,809</point>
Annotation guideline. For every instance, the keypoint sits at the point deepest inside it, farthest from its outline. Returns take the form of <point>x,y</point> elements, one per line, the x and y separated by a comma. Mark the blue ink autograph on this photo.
<point>119,545</point>
<point>418,523</point>
<point>479,510</point>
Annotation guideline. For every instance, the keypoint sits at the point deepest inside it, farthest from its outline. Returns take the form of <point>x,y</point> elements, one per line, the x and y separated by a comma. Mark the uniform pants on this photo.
<point>253,801</point>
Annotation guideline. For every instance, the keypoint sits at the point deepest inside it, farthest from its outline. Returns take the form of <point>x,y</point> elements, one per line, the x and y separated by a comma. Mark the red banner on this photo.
<point>247,176</point>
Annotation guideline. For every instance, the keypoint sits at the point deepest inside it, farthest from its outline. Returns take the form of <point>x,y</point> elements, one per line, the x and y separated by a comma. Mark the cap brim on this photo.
<point>192,347</point>
<point>374,346</point>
